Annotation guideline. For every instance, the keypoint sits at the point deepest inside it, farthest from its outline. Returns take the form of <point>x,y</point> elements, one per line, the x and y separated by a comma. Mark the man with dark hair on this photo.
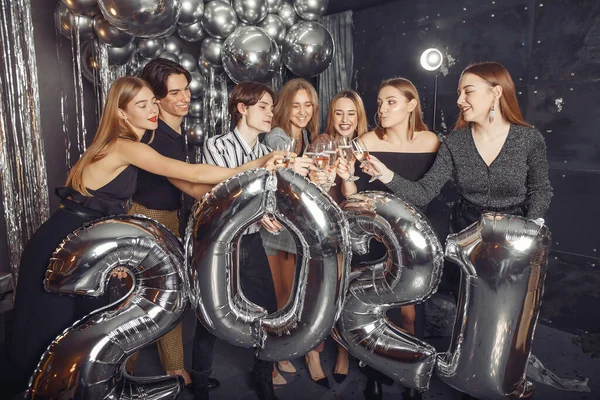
<point>160,198</point>
<point>251,107</point>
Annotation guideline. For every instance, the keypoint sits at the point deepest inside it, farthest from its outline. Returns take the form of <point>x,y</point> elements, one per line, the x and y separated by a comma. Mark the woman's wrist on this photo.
<point>386,176</point>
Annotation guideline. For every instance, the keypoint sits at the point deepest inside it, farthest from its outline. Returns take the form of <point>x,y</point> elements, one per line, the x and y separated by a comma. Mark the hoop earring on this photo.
<point>492,113</point>
<point>377,121</point>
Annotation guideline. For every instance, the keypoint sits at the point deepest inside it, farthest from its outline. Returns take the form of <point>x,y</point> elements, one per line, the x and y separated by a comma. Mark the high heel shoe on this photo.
<point>278,379</point>
<point>373,390</point>
<point>339,378</point>
<point>322,382</point>
<point>286,366</point>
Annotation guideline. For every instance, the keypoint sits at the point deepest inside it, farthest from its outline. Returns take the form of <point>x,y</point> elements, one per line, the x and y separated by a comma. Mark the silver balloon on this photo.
<point>188,61</point>
<point>89,62</point>
<point>197,84</point>
<point>274,26</point>
<point>288,14</point>
<point>88,8</point>
<point>320,230</point>
<point>121,55</point>
<point>194,131</point>
<point>250,11</point>
<point>173,45</point>
<point>219,19</point>
<point>195,108</point>
<point>273,5</point>
<point>206,67</point>
<point>139,64</point>
<point>143,18</point>
<point>110,35</point>
<point>250,54</point>
<point>151,48</point>
<point>503,260</point>
<point>307,49</point>
<point>68,23</point>
<point>96,347</point>
<point>191,33</point>
<point>211,51</point>
<point>311,10</point>
<point>169,32</point>
<point>191,11</point>
<point>169,56</point>
<point>410,275</point>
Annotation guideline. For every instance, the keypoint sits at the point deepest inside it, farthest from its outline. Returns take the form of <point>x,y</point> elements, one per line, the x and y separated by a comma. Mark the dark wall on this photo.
<point>552,49</point>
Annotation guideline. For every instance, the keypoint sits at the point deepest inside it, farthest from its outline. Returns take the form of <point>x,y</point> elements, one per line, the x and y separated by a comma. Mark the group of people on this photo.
<point>136,164</point>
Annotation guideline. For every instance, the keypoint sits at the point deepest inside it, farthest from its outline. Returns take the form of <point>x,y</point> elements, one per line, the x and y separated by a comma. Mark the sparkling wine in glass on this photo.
<point>345,152</point>
<point>362,154</point>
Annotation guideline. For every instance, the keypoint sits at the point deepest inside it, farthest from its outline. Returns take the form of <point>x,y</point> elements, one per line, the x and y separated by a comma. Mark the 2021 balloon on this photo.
<point>322,262</point>
<point>503,260</point>
<point>85,362</point>
<point>410,275</point>
<point>250,54</point>
<point>143,18</point>
<point>307,49</point>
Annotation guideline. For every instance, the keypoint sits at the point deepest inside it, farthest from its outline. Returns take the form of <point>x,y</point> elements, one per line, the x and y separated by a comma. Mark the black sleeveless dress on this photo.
<point>40,316</point>
<point>411,166</point>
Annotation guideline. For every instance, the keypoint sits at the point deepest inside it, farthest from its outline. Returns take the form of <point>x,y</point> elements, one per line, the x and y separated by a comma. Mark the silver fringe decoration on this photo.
<point>22,165</point>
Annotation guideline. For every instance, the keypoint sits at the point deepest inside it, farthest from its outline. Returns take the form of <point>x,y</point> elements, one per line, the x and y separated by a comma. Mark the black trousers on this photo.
<point>257,284</point>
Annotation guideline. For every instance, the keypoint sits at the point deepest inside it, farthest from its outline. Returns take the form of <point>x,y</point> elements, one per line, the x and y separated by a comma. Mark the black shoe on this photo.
<point>323,382</point>
<point>339,378</point>
<point>213,383</point>
<point>411,394</point>
<point>262,384</point>
<point>373,390</point>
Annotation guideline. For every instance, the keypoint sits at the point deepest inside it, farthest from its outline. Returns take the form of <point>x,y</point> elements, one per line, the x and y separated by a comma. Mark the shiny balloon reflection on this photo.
<point>143,18</point>
<point>320,231</point>
<point>307,49</point>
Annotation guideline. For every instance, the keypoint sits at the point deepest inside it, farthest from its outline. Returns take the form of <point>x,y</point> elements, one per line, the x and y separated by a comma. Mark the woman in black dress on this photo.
<point>402,141</point>
<point>99,185</point>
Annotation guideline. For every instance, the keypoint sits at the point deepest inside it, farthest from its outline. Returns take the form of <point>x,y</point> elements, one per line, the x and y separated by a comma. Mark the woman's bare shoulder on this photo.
<point>428,140</point>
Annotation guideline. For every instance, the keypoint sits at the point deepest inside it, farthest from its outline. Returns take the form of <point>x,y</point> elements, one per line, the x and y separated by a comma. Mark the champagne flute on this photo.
<point>331,149</point>
<point>346,154</point>
<point>362,154</point>
<point>321,158</point>
<point>285,161</point>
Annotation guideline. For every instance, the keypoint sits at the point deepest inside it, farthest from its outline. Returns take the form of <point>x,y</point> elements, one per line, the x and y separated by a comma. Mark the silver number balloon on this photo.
<point>197,84</point>
<point>121,55</point>
<point>503,260</point>
<point>311,10</point>
<point>307,49</point>
<point>143,18</point>
<point>110,35</point>
<point>273,6</point>
<point>219,19</point>
<point>211,51</point>
<point>67,23</point>
<point>319,228</point>
<point>287,14</point>
<point>250,11</point>
<point>191,11</point>
<point>191,33</point>
<point>83,7</point>
<point>274,26</point>
<point>173,45</point>
<point>85,362</point>
<point>410,275</point>
<point>151,48</point>
<point>250,54</point>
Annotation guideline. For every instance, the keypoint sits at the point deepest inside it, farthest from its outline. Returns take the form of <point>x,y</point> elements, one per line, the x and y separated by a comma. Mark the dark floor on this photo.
<point>554,348</point>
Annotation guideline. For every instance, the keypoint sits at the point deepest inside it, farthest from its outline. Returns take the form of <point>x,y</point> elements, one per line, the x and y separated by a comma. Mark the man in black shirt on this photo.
<point>159,197</point>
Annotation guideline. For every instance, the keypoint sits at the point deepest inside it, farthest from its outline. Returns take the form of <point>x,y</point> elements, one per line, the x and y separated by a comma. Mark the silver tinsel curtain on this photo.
<point>339,74</point>
<point>23,176</point>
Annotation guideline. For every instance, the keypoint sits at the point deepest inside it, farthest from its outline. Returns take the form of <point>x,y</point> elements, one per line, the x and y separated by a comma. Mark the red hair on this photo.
<point>495,74</point>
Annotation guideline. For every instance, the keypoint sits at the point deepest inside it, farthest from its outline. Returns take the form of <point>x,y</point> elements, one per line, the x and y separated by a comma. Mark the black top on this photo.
<point>518,175</point>
<point>111,199</point>
<point>155,191</point>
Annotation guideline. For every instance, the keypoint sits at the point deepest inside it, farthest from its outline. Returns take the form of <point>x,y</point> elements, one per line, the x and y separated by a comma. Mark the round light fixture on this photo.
<point>431,59</point>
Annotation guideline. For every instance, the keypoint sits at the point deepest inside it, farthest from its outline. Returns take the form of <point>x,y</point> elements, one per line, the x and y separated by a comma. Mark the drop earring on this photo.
<point>492,113</point>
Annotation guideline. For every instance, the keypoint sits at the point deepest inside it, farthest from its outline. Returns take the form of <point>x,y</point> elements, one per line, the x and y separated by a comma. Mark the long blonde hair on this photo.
<point>496,74</point>
<point>361,114</point>
<point>408,90</point>
<point>283,110</point>
<point>111,128</point>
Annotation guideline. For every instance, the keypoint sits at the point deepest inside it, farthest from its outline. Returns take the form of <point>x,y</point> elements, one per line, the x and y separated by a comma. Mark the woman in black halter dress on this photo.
<point>402,140</point>
<point>110,165</point>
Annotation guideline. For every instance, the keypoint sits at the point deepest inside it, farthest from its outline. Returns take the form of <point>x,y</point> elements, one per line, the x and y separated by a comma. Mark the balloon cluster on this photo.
<point>246,39</point>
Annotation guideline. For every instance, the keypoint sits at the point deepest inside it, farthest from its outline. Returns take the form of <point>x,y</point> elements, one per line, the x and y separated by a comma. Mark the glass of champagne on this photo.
<point>345,152</point>
<point>321,158</point>
<point>331,149</point>
<point>362,154</point>
<point>287,147</point>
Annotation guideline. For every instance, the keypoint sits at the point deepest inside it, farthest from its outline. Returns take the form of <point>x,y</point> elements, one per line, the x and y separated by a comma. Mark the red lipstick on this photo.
<point>153,119</point>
